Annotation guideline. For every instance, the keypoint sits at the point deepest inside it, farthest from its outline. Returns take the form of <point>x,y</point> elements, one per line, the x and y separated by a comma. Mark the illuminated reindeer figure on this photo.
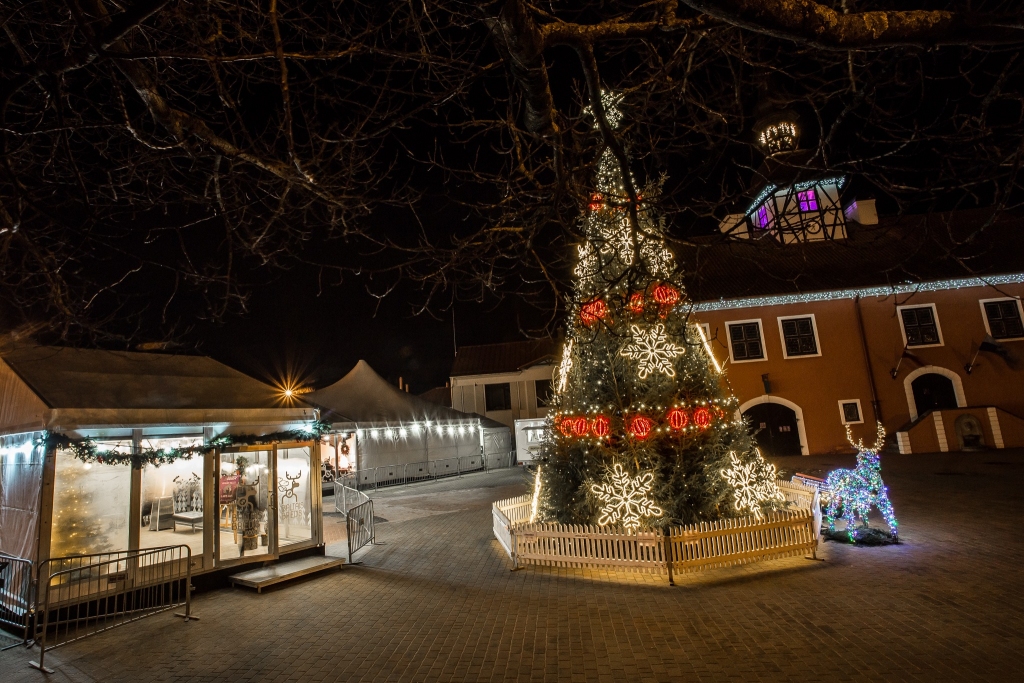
<point>853,492</point>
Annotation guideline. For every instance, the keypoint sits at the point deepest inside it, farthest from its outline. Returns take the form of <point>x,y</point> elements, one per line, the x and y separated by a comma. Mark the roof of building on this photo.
<point>907,249</point>
<point>67,378</point>
<point>364,397</point>
<point>442,396</point>
<point>488,359</point>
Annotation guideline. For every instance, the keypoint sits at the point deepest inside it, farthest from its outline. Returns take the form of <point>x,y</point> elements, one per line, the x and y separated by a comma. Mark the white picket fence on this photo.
<point>794,531</point>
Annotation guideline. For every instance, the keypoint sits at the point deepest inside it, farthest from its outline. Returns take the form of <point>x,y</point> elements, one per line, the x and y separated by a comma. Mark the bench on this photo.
<point>191,518</point>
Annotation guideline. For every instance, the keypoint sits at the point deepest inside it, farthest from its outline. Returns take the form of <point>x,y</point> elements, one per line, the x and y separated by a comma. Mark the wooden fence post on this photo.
<point>668,554</point>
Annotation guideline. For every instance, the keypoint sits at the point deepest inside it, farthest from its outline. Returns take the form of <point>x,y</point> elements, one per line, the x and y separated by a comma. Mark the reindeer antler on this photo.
<point>859,445</point>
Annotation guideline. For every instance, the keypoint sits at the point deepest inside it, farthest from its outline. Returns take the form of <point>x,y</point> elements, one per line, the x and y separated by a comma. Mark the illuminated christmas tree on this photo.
<point>643,433</point>
<point>77,528</point>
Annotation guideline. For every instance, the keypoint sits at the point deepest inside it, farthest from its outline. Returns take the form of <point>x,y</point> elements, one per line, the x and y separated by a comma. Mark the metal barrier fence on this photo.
<point>359,525</point>
<point>346,497</point>
<point>83,595</point>
<point>396,475</point>
<point>16,593</point>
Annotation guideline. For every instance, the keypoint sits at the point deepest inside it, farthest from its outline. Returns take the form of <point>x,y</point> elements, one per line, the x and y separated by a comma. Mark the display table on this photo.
<point>191,518</point>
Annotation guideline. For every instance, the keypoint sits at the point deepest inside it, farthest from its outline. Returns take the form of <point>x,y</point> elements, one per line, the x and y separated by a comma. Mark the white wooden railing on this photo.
<point>789,532</point>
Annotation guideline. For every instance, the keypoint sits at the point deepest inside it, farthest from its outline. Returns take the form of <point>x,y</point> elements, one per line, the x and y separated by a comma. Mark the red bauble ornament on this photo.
<point>593,311</point>
<point>677,418</point>
<point>666,295</point>
<point>596,201</point>
<point>564,425</point>
<point>580,426</point>
<point>640,426</point>
<point>702,418</point>
<point>636,302</point>
<point>601,426</point>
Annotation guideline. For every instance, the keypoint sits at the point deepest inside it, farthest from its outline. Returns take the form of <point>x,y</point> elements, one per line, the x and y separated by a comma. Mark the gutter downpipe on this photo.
<point>876,405</point>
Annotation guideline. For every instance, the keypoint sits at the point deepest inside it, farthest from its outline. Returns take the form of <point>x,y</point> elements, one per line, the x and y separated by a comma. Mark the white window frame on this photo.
<point>984,315</point>
<point>706,327</point>
<point>860,411</point>
<point>760,331</point>
<point>814,327</point>
<point>938,326</point>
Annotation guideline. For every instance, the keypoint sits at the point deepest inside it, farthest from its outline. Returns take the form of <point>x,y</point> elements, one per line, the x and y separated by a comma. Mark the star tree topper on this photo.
<point>653,351</point>
<point>753,484</point>
<point>626,499</point>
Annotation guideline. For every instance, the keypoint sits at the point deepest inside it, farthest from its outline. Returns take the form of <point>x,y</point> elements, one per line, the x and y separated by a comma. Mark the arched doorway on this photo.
<point>775,428</point>
<point>933,391</point>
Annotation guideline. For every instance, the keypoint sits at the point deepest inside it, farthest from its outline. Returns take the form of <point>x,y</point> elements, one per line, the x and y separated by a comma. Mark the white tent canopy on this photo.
<point>393,427</point>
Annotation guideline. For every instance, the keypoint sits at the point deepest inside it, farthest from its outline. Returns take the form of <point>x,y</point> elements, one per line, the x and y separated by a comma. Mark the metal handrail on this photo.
<point>88,595</point>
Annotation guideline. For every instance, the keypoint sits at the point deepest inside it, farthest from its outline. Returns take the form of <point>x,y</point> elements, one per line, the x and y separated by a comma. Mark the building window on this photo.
<point>798,336</point>
<point>808,200</point>
<point>849,412</point>
<point>543,392</point>
<point>1004,320</point>
<point>920,326</point>
<point>762,216</point>
<point>745,340</point>
<point>498,396</point>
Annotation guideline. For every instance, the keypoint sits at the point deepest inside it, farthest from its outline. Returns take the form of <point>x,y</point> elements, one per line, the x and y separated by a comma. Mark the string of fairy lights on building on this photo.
<point>853,293</point>
<point>405,431</point>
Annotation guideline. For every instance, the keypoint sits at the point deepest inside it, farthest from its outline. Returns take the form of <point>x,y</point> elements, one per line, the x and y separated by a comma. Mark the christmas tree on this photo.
<point>76,529</point>
<point>643,432</point>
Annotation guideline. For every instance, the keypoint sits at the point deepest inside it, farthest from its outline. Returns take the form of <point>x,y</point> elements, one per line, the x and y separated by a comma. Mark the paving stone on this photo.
<point>437,602</point>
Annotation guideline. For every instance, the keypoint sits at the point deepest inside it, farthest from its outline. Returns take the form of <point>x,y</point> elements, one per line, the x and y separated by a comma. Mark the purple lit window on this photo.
<point>762,216</point>
<point>808,200</point>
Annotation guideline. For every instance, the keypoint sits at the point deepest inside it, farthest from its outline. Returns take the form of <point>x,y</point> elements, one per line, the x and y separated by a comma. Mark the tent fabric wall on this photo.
<point>21,477</point>
<point>415,448</point>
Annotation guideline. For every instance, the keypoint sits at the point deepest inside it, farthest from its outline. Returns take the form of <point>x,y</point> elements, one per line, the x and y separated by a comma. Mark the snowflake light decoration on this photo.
<point>656,257</point>
<point>589,263</point>
<point>565,366</point>
<point>753,484</point>
<point>626,499</point>
<point>653,351</point>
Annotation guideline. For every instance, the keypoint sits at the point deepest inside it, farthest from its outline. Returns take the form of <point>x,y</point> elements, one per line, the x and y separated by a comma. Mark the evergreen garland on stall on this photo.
<point>643,433</point>
<point>88,451</point>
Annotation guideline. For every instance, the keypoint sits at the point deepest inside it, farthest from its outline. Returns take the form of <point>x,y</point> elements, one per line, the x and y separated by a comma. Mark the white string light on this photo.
<point>707,349</point>
<point>652,351</point>
<point>837,294</point>
<point>536,496</point>
<point>565,366</point>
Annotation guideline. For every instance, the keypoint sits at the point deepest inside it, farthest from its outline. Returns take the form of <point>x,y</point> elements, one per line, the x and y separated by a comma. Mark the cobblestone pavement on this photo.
<point>437,602</point>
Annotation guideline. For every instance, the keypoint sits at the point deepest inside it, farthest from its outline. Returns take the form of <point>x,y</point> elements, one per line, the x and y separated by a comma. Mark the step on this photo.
<point>285,571</point>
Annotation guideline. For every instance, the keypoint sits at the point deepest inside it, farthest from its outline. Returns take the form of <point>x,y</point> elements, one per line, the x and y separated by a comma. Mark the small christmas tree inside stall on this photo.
<point>643,433</point>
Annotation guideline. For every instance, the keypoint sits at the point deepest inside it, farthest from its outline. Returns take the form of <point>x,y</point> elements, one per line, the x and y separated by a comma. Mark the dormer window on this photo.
<point>763,217</point>
<point>808,200</point>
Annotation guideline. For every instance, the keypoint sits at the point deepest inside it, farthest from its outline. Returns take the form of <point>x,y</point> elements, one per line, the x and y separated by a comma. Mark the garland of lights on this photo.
<point>881,291</point>
<point>678,419</point>
<point>626,499</point>
<point>88,451</point>
<point>854,492</point>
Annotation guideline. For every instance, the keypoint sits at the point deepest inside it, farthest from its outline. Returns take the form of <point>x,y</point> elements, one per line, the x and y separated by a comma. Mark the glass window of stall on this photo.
<point>172,499</point>
<point>91,504</point>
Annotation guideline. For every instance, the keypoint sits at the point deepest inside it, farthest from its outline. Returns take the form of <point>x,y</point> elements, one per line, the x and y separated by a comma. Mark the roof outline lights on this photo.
<point>765,193</point>
<point>880,291</point>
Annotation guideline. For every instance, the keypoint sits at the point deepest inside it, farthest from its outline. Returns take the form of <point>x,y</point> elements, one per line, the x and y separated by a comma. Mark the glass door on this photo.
<point>245,505</point>
<point>294,495</point>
